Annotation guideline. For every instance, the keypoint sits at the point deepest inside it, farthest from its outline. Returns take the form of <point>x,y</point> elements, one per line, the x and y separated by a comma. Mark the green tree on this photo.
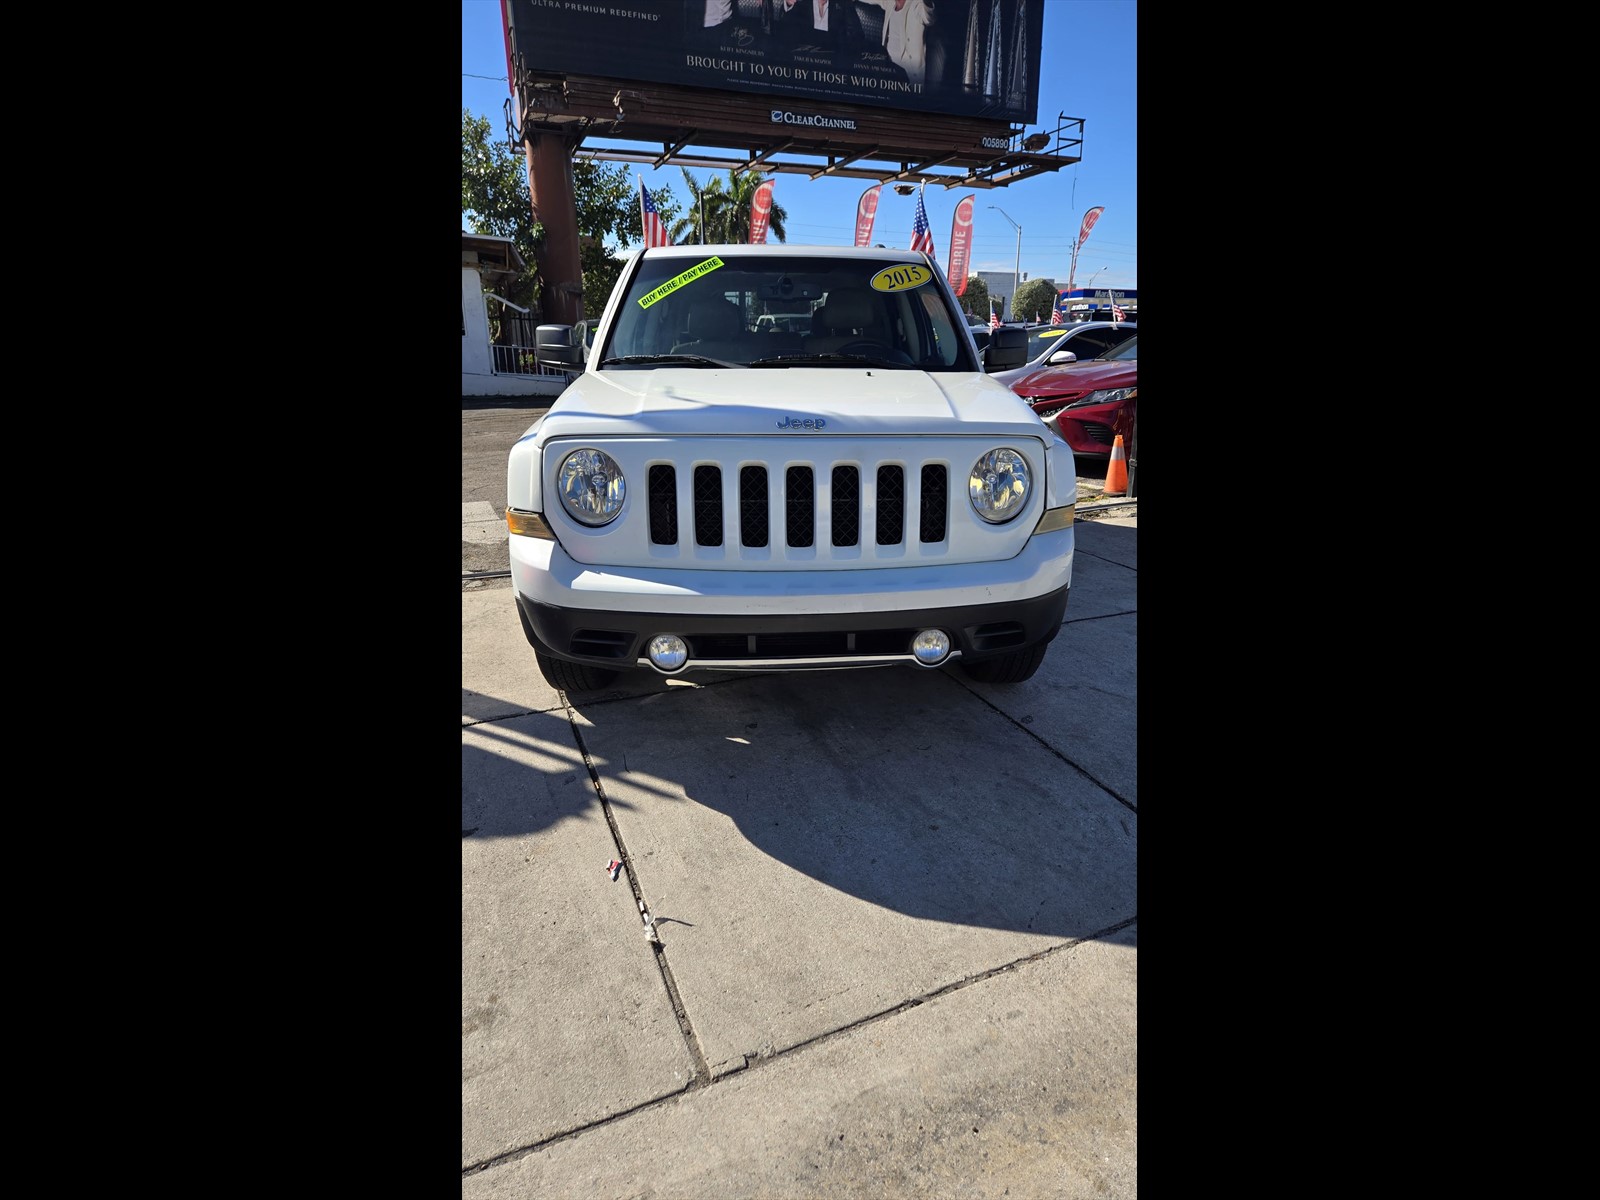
<point>495,200</point>
<point>704,212</point>
<point>1035,298</point>
<point>607,200</point>
<point>976,298</point>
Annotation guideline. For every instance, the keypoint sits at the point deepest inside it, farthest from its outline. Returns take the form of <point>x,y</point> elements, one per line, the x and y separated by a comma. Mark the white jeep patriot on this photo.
<point>711,493</point>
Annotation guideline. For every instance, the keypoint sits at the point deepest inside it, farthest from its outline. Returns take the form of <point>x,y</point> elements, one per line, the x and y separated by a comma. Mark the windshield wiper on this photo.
<point>831,360</point>
<point>696,360</point>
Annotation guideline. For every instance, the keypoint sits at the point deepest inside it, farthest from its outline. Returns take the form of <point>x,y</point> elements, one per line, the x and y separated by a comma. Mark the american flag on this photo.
<point>655,233</point>
<point>1055,316</point>
<point>921,236</point>
<point>1117,314</point>
<point>994,318</point>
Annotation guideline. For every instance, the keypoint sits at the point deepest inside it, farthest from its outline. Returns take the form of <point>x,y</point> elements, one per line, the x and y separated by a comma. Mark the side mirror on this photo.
<point>553,347</point>
<point>1008,348</point>
<point>1062,356</point>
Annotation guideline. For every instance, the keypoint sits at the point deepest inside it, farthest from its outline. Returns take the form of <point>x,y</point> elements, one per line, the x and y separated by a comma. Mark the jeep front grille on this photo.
<point>794,494</point>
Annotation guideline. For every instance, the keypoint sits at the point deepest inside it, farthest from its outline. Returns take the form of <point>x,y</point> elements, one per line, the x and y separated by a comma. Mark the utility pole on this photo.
<point>1016,278</point>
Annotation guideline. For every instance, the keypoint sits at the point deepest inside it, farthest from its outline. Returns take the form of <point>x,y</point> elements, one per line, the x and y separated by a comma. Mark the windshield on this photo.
<point>775,310</point>
<point>1045,339</point>
<point>1128,349</point>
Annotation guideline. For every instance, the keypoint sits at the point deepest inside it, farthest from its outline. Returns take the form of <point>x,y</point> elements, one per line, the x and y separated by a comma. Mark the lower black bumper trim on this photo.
<point>782,641</point>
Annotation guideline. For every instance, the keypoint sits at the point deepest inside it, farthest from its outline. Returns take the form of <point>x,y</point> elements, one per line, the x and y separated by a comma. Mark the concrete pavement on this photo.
<point>894,914</point>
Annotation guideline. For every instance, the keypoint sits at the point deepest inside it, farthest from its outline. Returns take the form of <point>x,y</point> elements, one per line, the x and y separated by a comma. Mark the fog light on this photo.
<point>667,652</point>
<point>931,647</point>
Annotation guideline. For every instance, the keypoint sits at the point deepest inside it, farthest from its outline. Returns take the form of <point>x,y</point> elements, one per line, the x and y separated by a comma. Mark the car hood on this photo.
<point>1079,376</point>
<point>1010,377</point>
<point>781,400</point>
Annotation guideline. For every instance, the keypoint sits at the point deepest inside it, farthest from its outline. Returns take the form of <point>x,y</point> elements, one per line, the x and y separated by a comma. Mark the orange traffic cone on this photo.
<point>1117,470</point>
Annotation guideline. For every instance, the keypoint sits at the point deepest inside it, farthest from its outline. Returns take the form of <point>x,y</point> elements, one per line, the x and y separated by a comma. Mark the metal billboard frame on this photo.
<point>664,125</point>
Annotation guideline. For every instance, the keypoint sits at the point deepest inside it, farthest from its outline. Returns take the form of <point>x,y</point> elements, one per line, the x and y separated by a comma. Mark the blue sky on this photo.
<point>1088,69</point>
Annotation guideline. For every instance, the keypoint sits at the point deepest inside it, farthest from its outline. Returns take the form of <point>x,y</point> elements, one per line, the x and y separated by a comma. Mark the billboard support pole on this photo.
<point>550,189</point>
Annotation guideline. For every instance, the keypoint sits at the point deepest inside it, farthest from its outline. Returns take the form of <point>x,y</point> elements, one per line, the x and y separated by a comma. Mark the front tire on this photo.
<point>571,676</point>
<point>1015,667</point>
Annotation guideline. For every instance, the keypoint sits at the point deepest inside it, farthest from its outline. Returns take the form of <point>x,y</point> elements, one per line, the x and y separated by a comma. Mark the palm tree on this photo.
<point>742,187</point>
<point>719,213</point>
<point>704,214</point>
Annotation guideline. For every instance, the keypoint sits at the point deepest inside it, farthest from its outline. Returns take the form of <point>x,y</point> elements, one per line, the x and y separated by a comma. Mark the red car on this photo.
<point>1089,401</point>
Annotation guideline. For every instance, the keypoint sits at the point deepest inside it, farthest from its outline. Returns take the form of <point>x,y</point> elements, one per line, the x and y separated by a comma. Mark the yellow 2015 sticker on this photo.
<point>672,285</point>
<point>900,278</point>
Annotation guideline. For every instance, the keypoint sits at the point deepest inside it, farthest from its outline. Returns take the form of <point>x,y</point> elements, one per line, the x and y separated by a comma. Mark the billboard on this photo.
<point>969,58</point>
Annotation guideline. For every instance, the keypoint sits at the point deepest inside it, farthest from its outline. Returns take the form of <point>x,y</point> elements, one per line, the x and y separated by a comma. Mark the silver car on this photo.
<point>1052,345</point>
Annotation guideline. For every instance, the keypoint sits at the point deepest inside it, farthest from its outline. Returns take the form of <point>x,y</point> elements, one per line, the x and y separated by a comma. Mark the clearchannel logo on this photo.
<point>781,116</point>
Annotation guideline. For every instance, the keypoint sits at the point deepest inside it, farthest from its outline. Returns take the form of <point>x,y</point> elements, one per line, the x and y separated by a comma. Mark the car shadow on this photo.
<point>905,789</point>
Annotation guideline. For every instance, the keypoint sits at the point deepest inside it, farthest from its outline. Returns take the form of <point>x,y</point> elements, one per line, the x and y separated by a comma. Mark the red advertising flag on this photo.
<point>960,243</point>
<point>760,211</point>
<point>866,210</point>
<point>1089,218</point>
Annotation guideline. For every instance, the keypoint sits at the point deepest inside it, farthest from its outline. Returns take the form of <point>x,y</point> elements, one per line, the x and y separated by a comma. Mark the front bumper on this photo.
<point>789,619</point>
<point>790,642</point>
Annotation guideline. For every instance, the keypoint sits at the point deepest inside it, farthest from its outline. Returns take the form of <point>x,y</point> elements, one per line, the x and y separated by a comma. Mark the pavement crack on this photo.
<point>1024,726</point>
<point>691,1040</point>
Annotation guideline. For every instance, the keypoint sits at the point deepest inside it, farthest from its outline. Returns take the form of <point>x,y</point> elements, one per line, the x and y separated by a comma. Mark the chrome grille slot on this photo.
<point>708,506</point>
<point>935,502</point>
<point>846,506</point>
<point>663,505</point>
<point>800,507</point>
<point>753,506</point>
<point>891,505</point>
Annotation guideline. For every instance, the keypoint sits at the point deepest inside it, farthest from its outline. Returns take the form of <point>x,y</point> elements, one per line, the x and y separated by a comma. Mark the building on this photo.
<point>1094,304</point>
<point>1002,286</point>
<point>486,260</point>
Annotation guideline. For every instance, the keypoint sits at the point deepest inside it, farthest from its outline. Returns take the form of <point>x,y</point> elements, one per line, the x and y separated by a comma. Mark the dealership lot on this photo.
<point>891,945</point>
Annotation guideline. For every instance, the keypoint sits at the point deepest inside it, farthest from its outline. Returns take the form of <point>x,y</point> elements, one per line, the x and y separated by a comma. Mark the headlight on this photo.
<point>998,487</point>
<point>591,486</point>
<point>1106,396</point>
